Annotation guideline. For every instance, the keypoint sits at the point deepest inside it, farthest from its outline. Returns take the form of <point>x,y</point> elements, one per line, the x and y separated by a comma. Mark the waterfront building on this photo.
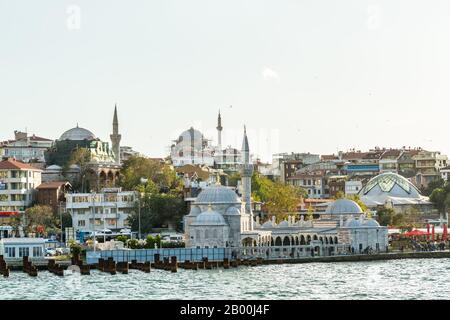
<point>107,209</point>
<point>393,190</point>
<point>17,248</point>
<point>18,183</point>
<point>26,148</point>
<point>219,217</point>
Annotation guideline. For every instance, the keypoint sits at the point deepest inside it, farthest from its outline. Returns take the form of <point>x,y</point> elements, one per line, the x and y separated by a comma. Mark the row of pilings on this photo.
<point>29,268</point>
<point>4,269</point>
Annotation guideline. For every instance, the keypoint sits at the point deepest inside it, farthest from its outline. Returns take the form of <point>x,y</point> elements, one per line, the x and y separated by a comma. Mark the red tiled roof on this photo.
<point>52,185</point>
<point>12,164</point>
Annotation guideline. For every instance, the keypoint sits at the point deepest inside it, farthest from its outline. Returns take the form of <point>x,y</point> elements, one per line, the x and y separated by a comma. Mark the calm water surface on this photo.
<point>395,279</point>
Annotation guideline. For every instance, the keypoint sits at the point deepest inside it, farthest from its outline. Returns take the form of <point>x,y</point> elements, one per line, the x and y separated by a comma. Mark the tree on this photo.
<point>80,157</point>
<point>161,174</point>
<point>385,216</point>
<point>39,219</point>
<point>278,199</point>
<point>158,210</point>
<point>435,184</point>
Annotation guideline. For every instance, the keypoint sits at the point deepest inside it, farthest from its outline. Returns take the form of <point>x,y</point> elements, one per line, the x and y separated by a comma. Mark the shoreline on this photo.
<point>328,259</point>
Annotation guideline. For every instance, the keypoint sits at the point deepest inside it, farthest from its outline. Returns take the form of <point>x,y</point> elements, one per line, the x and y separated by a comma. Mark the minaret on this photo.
<point>246,176</point>
<point>219,132</point>
<point>116,137</point>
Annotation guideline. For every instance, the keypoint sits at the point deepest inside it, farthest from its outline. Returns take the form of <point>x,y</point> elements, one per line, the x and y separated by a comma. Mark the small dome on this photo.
<point>77,134</point>
<point>54,167</point>
<point>195,211</point>
<point>233,210</point>
<point>344,206</point>
<point>268,224</point>
<point>371,223</point>
<point>283,224</point>
<point>353,223</point>
<point>210,218</point>
<point>217,194</point>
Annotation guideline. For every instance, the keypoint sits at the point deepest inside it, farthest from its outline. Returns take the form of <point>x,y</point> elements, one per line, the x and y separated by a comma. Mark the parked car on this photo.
<point>50,252</point>
<point>62,251</point>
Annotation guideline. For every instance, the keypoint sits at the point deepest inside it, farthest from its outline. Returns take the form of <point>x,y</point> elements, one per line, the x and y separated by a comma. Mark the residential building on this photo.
<point>445,173</point>
<point>26,148</point>
<point>18,182</point>
<point>94,211</point>
<point>428,164</point>
<point>353,187</point>
<point>53,194</point>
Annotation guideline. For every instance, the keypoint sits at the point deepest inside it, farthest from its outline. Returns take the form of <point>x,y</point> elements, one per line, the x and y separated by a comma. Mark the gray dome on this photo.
<point>217,194</point>
<point>353,223</point>
<point>195,211</point>
<point>268,224</point>
<point>210,218</point>
<point>233,210</point>
<point>283,224</point>
<point>77,134</point>
<point>371,223</point>
<point>344,206</point>
<point>390,184</point>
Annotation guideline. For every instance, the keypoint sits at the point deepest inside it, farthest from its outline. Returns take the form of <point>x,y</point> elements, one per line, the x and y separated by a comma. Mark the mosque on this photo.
<point>191,147</point>
<point>104,162</point>
<point>219,218</point>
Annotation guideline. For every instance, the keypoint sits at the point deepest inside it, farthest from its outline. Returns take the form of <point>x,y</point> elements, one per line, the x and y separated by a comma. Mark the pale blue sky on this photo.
<point>316,75</point>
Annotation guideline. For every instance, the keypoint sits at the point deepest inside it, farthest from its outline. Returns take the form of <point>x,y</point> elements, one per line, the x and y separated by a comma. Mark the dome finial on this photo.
<point>210,207</point>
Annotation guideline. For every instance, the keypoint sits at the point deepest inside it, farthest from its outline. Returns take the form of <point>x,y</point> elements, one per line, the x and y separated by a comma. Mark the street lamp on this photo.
<point>144,182</point>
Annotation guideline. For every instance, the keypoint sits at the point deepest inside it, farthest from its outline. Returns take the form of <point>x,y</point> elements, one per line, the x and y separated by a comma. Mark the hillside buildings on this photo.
<point>18,183</point>
<point>26,148</point>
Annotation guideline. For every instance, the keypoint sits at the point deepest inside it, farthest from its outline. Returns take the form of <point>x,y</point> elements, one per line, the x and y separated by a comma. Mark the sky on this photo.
<point>304,76</point>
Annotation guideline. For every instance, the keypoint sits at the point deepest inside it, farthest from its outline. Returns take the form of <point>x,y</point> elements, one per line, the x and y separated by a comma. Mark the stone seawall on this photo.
<point>365,257</point>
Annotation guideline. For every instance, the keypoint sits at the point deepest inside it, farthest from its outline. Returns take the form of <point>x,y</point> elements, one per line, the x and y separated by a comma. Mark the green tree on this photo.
<point>39,219</point>
<point>441,198</point>
<point>82,158</point>
<point>278,199</point>
<point>161,174</point>
<point>385,216</point>
<point>435,184</point>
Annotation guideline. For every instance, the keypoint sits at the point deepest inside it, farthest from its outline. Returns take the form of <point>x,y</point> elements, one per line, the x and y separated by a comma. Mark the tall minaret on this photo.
<point>116,137</point>
<point>246,176</point>
<point>219,132</point>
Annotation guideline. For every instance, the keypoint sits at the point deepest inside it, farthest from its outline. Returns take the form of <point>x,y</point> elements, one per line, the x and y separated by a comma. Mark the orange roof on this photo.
<point>12,164</point>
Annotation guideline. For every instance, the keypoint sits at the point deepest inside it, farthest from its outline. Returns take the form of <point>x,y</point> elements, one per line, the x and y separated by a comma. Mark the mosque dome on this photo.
<point>371,223</point>
<point>353,223</point>
<point>217,195</point>
<point>283,224</point>
<point>344,206</point>
<point>233,210</point>
<point>77,134</point>
<point>195,211</point>
<point>390,184</point>
<point>210,218</point>
<point>268,224</point>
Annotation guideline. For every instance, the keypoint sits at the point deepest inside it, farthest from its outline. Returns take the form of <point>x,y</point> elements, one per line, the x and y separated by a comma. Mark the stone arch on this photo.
<point>326,240</point>
<point>302,240</point>
<point>321,239</point>
<point>331,240</point>
<point>296,241</point>
<point>278,241</point>
<point>315,237</point>
<point>335,240</point>
<point>109,179</point>
<point>247,242</point>
<point>308,239</point>
<point>286,241</point>
<point>272,242</point>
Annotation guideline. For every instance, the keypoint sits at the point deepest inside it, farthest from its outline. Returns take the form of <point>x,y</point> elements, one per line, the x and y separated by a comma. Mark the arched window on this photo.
<point>286,241</point>
<point>197,235</point>
<point>278,241</point>
<point>206,234</point>
<point>214,234</point>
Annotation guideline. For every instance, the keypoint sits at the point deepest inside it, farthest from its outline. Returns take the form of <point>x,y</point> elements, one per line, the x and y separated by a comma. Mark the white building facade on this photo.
<point>18,183</point>
<point>108,209</point>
